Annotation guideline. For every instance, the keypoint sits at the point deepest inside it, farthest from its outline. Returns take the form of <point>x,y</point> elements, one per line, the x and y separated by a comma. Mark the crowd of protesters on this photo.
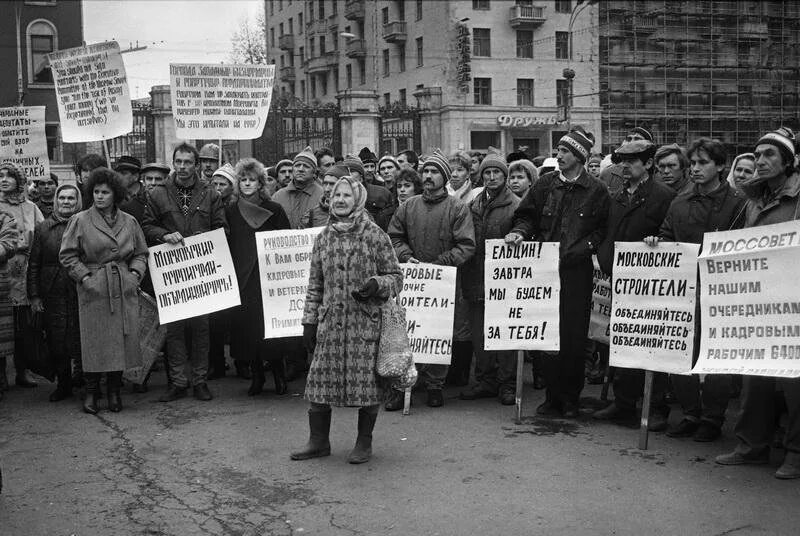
<point>76,257</point>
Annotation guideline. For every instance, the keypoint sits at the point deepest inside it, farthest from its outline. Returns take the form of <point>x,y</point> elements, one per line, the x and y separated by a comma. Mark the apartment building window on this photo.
<point>401,10</point>
<point>334,7</point>
<point>302,55</point>
<point>362,71</point>
<point>272,7</point>
<point>283,62</point>
<point>562,45</point>
<point>323,83</point>
<point>419,52</point>
<point>42,40</point>
<point>483,90</point>
<point>303,89</point>
<point>524,43</point>
<point>402,99</point>
<point>313,87</point>
<point>385,15</point>
<point>290,57</point>
<point>311,12</point>
<point>291,26</point>
<point>562,92</point>
<point>524,91</point>
<point>335,39</point>
<point>280,29</point>
<point>348,75</point>
<point>419,10</point>
<point>401,57</point>
<point>385,62</point>
<point>322,45</point>
<point>300,23</point>
<point>480,4</point>
<point>311,48</point>
<point>280,5</point>
<point>321,10</point>
<point>563,6</point>
<point>272,37</point>
<point>481,42</point>
<point>387,100</point>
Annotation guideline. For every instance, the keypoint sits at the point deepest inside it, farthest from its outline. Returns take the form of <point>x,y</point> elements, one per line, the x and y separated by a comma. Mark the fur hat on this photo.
<point>307,156</point>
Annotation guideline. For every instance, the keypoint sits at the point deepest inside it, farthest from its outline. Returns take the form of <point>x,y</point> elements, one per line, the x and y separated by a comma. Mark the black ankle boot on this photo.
<point>258,379</point>
<point>92,388</point>
<point>114,387</point>
<point>279,375</point>
<point>63,389</point>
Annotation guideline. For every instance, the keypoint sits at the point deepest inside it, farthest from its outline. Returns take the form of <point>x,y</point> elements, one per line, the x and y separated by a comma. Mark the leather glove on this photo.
<point>310,337</point>
<point>367,291</point>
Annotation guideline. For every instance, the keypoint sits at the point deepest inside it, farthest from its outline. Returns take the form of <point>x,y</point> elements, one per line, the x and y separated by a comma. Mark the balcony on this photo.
<point>318,27</point>
<point>287,74</point>
<point>286,42</point>
<point>321,64</point>
<point>356,48</point>
<point>395,32</point>
<point>354,10</point>
<point>753,30</point>
<point>526,17</point>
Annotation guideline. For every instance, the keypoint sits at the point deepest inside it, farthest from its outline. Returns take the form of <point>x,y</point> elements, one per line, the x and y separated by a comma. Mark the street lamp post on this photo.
<point>568,75</point>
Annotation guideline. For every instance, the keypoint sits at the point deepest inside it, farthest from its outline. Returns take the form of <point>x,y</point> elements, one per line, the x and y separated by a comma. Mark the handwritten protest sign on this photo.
<point>220,101</point>
<point>750,302</point>
<point>599,320</point>
<point>522,293</point>
<point>653,306</point>
<point>429,296</point>
<point>194,279</point>
<point>284,260</point>
<point>92,92</point>
<point>23,140</point>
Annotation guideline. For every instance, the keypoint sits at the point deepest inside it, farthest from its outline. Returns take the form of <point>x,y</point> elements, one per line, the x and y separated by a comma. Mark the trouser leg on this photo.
<point>506,370</point>
<point>198,331</point>
<point>485,366</point>
<point>791,391</point>
<point>716,392</point>
<point>177,354</point>
<point>756,423</point>
<point>574,311</point>
<point>687,391</point>
<point>432,376</point>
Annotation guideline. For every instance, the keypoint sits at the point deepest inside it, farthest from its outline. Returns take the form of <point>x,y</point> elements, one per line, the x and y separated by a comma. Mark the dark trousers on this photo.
<point>218,328</point>
<point>564,374</point>
<point>757,421</point>
<point>495,371</point>
<point>187,341</point>
<point>113,381</point>
<point>629,388</point>
<point>707,403</point>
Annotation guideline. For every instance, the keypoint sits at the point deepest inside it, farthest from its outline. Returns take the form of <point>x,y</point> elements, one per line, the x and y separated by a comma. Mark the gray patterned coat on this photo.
<point>342,372</point>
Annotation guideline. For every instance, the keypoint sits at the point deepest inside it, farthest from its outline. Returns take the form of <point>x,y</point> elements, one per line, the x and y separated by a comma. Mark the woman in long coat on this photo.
<point>354,270</point>
<point>251,213</point>
<point>26,216</point>
<point>104,251</point>
<point>8,245</point>
<point>52,292</point>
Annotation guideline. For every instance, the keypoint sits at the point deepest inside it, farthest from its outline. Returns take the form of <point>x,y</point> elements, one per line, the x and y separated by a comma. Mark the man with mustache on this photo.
<point>436,228</point>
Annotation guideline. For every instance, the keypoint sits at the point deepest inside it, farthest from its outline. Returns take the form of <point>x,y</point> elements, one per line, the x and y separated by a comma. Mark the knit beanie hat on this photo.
<point>643,132</point>
<point>594,158</point>
<point>578,144</point>
<point>307,156</point>
<point>389,158</point>
<point>367,156</point>
<point>784,140</point>
<point>439,161</point>
<point>493,160</point>
<point>338,171</point>
<point>226,172</point>
<point>18,172</point>
<point>282,163</point>
<point>354,163</point>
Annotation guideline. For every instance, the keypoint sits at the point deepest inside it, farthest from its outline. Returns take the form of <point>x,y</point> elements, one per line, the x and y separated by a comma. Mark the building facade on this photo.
<point>683,69</point>
<point>482,72</point>
<point>29,30</point>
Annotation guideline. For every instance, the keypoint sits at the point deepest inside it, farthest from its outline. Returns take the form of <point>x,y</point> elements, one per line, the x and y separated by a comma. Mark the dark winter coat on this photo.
<point>575,214</point>
<point>632,218</point>
<point>296,202</point>
<point>778,207</point>
<point>437,231</point>
<point>316,217</point>
<point>342,372</point>
<point>163,214</point>
<point>692,214</point>
<point>492,219</point>
<point>379,204</point>
<point>136,204</point>
<point>108,300</point>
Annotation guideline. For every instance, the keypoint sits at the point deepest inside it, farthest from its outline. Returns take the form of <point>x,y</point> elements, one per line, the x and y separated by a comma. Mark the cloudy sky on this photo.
<point>174,31</point>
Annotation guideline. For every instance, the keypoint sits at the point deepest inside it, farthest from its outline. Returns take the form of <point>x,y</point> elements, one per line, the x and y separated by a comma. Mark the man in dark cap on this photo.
<point>209,160</point>
<point>129,168</point>
<point>636,212</point>
<point>46,186</point>
<point>154,174</point>
<point>611,176</point>
<point>370,162</point>
<point>437,228</point>
<point>570,207</point>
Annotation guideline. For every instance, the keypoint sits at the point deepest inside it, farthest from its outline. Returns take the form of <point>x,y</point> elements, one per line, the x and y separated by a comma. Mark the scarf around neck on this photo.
<point>251,210</point>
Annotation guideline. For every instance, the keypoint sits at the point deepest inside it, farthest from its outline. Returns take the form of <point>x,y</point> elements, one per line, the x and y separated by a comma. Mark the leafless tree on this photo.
<point>250,41</point>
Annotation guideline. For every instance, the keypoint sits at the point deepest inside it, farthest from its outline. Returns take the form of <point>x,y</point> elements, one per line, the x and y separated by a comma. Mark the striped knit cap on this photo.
<point>783,139</point>
<point>439,161</point>
<point>307,156</point>
<point>578,144</point>
<point>492,160</point>
<point>388,158</point>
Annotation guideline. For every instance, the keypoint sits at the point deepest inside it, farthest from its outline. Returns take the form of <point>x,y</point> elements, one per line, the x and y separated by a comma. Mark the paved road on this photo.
<point>222,468</point>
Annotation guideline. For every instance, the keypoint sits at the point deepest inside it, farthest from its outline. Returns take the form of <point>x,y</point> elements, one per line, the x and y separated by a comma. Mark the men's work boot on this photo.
<point>395,400</point>
<point>257,380</point>
<point>790,468</point>
<point>92,388</point>
<point>362,452</point>
<point>319,423</point>
<point>173,393</point>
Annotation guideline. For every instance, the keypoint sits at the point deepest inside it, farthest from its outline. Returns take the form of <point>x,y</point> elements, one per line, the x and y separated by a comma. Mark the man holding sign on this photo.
<point>182,207</point>
<point>570,207</point>
<point>774,198</point>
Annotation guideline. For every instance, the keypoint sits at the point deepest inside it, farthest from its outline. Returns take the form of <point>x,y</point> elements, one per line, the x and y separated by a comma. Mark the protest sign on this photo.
<point>218,101</point>
<point>599,321</point>
<point>284,261</point>
<point>653,306</point>
<point>195,278</point>
<point>23,140</point>
<point>750,302</point>
<point>429,297</point>
<point>92,92</point>
<point>522,296</point>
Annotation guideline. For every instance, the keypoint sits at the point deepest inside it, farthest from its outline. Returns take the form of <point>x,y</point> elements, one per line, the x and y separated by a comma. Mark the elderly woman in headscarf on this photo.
<point>354,270</point>
<point>251,213</point>
<point>743,172</point>
<point>103,250</point>
<point>26,216</point>
<point>52,292</point>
